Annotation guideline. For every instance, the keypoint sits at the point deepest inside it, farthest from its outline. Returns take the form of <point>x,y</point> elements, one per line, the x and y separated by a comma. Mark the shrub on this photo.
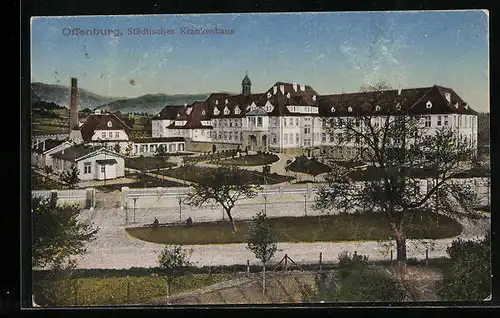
<point>469,275</point>
<point>155,223</point>
<point>357,280</point>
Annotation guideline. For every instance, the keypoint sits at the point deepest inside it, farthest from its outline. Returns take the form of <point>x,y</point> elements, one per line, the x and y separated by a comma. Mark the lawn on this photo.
<point>148,163</point>
<point>143,181</point>
<point>260,159</point>
<point>332,228</point>
<point>196,174</point>
<point>39,182</point>
<point>97,291</point>
<point>309,166</point>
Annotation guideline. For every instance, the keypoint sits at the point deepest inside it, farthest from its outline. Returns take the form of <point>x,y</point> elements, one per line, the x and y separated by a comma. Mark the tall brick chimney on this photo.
<point>73,110</point>
<point>75,134</point>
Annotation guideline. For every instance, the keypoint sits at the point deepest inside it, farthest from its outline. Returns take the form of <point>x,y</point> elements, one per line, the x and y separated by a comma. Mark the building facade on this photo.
<point>289,116</point>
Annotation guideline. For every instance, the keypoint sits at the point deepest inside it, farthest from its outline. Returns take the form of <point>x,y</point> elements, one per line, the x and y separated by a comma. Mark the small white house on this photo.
<point>42,151</point>
<point>93,163</point>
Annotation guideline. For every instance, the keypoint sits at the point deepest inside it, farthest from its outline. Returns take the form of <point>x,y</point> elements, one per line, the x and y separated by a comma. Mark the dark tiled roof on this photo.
<point>413,101</point>
<point>169,112</point>
<point>75,152</point>
<point>160,139</point>
<point>100,122</point>
<point>49,144</point>
<point>106,161</point>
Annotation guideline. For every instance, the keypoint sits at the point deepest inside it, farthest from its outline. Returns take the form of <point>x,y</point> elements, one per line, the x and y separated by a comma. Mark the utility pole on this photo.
<point>180,209</point>
<point>305,204</point>
<point>135,200</point>
<point>265,204</point>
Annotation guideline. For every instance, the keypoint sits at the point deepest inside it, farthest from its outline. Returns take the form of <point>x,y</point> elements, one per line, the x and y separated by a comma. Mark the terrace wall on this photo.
<point>84,198</point>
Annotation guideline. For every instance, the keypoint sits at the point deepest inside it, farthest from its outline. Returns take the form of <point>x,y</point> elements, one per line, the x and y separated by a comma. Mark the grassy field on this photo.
<point>260,159</point>
<point>93,291</point>
<point>197,174</point>
<point>305,165</point>
<point>148,163</point>
<point>362,227</point>
<point>143,181</point>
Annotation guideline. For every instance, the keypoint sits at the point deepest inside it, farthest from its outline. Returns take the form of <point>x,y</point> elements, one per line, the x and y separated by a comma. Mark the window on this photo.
<point>259,121</point>
<point>87,167</point>
<point>297,122</point>
<point>215,123</point>
<point>273,138</point>
<point>439,121</point>
<point>230,123</point>
<point>307,130</point>
<point>135,148</point>
<point>284,122</point>
<point>110,134</point>
<point>225,135</point>
<point>332,137</point>
<point>151,148</point>
<point>230,135</point>
<point>285,139</point>
<point>117,134</point>
<point>460,122</point>
<point>103,135</point>
<point>446,120</point>
<point>323,137</point>
<point>427,121</point>
<point>290,121</point>
<point>455,119</point>
<point>103,169</point>
<point>297,138</point>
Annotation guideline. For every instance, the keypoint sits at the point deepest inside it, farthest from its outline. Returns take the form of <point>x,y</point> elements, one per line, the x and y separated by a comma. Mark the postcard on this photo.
<point>260,158</point>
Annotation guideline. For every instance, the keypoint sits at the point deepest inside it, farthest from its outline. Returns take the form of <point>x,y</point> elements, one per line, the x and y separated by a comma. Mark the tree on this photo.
<point>266,170</point>
<point>399,147</point>
<point>261,242</point>
<point>224,187</point>
<point>128,150</point>
<point>171,259</point>
<point>58,233</point>
<point>117,148</point>
<point>71,177</point>
<point>469,276</point>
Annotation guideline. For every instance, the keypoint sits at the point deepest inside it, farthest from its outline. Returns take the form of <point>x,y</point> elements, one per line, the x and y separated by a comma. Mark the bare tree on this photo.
<point>384,130</point>
<point>224,188</point>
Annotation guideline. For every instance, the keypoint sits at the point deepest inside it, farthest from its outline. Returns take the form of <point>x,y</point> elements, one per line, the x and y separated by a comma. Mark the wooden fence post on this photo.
<point>320,259</point>
<point>248,266</point>
<point>427,256</point>
<point>128,291</point>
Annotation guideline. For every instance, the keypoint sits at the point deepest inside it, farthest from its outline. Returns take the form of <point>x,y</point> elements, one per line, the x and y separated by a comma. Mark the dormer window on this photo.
<point>269,95</point>
<point>226,101</point>
<point>456,105</point>
<point>110,124</point>
<point>203,113</point>
<point>398,107</point>
<point>216,111</point>
<point>288,95</point>
<point>314,98</point>
<point>466,106</point>
<point>188,111</point>
<point>216,102</point>
<point>428,105</point>
<point>332,109</point>
<point>237,110</point>
<point>226,111</point>
<point>178,115</point>
<point>349,109</point>
<point>377,108</point>
<point>448,97</point>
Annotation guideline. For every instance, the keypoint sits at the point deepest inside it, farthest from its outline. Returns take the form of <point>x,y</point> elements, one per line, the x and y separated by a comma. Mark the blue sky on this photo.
<point>332,52</point>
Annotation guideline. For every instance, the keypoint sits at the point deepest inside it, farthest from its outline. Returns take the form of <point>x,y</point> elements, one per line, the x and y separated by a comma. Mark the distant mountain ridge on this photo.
<point>151,103</point>
<point>60,95</point>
